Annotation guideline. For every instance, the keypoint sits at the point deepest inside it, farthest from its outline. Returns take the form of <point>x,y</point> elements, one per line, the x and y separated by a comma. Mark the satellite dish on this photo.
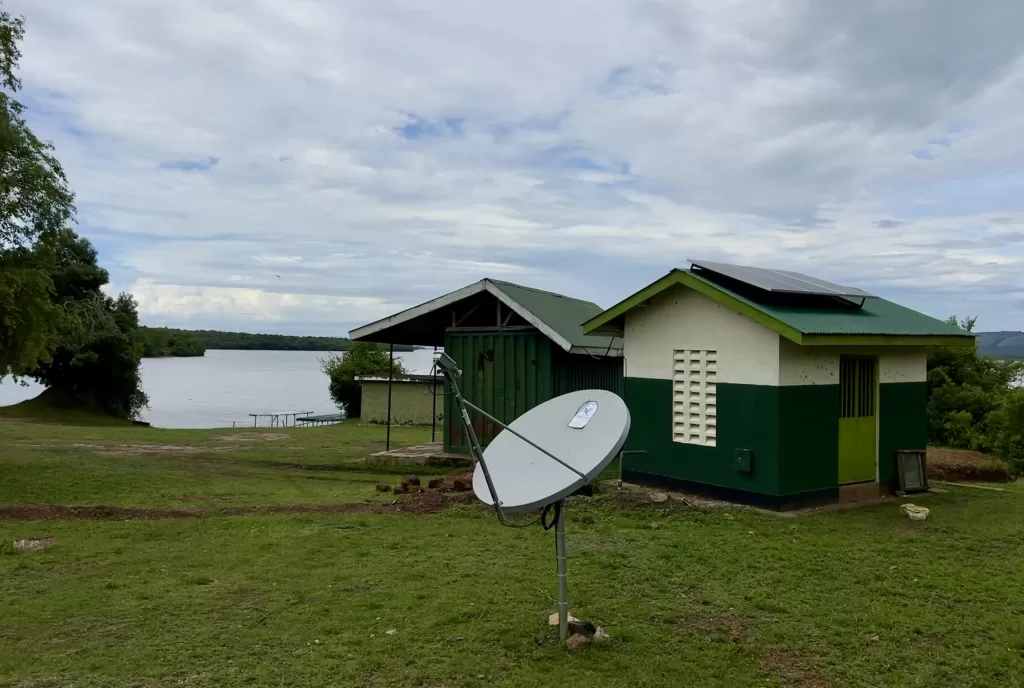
<point>544,456</point>
<point>585,430</point>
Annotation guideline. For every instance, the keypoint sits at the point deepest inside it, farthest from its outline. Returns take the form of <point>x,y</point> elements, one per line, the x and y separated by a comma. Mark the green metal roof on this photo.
<point>558,317</point>
<point>563,314</point>
<point>877,322</point>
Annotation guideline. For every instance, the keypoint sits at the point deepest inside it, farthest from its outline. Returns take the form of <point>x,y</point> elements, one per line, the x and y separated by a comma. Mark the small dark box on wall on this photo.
<point>743,460</point>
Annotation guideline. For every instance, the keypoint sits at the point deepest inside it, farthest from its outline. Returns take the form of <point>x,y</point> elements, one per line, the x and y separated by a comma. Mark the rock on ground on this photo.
<point>383,487</point>
<point>577,641</point>
<point>34,544</point>
<point>411,480</point>
<point>601,637</point>
<point>553,619</point>
<point>435,483</point>
<point>658,497</point>
<point>916,513</point>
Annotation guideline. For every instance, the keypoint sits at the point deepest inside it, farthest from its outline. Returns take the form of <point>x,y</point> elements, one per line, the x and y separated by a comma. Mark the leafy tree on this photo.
<point>974,402</point>
<point>35,202</point>
<point>163,341</point>
<point>99,348</point>
<point>362,358</point>
<point>28,318</point>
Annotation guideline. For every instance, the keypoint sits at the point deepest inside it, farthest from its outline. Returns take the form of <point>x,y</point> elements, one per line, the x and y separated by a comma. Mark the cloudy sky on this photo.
<point>307,166</point>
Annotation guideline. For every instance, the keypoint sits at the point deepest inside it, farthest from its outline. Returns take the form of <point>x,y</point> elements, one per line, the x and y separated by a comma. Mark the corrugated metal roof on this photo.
<point>558,317</point>
<point>804,321</point>
<point>563,314</point>
<point>876,317</point>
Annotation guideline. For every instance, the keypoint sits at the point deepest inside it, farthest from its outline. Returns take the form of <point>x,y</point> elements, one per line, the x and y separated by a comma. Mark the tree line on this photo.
<point>158,342</point>
<point>167,341</point>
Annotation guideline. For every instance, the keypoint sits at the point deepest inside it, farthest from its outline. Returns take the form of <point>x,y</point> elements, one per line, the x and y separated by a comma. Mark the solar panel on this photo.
<point>781,281</point>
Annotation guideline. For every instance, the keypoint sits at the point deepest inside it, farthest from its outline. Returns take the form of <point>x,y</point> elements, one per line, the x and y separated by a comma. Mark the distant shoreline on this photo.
<point>167,342</point>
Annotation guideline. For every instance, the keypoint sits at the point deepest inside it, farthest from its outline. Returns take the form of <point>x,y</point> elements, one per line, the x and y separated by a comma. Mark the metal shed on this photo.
<point>517,347</point>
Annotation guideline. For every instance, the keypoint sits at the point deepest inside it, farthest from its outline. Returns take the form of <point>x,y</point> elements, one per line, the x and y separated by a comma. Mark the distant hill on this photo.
<point>215,339</point>
<point>1001,344</point>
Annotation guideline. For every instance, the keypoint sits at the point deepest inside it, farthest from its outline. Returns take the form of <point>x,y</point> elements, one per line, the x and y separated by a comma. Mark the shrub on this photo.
<point>362,358</point>
<point>973,401</point>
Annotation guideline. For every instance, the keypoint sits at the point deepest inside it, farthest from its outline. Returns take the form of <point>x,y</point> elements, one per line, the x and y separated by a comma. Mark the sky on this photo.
<point>306,167</point>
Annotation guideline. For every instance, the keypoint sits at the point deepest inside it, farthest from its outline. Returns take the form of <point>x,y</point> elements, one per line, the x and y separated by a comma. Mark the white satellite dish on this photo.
<point>584,430</point>
<point>545,455</point>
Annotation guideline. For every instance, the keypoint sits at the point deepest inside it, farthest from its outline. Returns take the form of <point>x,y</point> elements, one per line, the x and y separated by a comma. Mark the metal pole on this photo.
<point>563,597</point>
<point>391,378</point>
<point>474,444</point>
<point>433,409</point>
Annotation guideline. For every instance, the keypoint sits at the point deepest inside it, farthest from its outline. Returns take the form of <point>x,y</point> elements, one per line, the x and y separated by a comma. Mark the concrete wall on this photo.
<point>679,319</point>
<point>819,365</point>
<point>410,402</point>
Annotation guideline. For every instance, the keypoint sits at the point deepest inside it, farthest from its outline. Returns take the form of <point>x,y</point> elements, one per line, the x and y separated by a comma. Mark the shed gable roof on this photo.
<point>877,322</point>
<point>558,317</point>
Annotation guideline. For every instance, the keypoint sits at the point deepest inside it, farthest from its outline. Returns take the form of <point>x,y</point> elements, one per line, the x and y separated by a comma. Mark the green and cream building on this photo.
<point>766,397</point>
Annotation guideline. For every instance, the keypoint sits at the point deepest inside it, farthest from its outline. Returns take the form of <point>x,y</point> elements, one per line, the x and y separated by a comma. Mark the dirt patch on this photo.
<point>792,671</point>
<point>252,437</point>
<point>430,502</point>
<point>321,467</point>
<point>145,449</point>
<point>962,465</point>
<point>732,625</point>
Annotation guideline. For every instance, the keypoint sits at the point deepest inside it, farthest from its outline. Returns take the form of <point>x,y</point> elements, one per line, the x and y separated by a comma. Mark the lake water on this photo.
<point>222,387</point>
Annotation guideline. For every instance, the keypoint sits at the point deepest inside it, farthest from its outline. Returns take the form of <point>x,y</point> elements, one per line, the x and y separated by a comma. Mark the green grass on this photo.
<point>47,409</point>
<point>145,467</point>
<point>712,597</point>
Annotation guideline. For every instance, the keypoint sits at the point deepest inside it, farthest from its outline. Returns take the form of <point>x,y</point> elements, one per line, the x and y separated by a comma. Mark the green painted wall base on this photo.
<point>903,424</point>
<point>792,432</point>
<point>748,418</point>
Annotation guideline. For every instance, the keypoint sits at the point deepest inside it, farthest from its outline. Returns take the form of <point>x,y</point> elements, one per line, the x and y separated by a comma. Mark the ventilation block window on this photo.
<point>694,397</point>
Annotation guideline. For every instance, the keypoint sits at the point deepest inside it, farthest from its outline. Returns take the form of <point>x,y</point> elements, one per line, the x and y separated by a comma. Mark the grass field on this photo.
<point>691,596</point>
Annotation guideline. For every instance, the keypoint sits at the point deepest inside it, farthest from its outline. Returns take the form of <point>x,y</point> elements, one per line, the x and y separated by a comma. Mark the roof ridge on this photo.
<point>540,291</point>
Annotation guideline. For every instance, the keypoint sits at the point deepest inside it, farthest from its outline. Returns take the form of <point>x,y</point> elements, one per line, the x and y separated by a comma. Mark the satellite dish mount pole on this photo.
<point>450,371</point>
<point>563,594</point>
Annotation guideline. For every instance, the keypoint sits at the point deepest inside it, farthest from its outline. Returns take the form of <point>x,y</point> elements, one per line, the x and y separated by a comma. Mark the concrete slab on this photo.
<point>430,454</point>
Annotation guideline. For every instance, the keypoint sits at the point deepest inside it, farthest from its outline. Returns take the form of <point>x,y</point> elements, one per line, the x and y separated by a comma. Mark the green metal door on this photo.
<point>857,442</point>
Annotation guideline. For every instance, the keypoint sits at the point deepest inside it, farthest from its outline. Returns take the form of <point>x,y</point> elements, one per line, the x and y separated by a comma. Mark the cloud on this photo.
<point>185,165</point>
<point>345,158</point>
